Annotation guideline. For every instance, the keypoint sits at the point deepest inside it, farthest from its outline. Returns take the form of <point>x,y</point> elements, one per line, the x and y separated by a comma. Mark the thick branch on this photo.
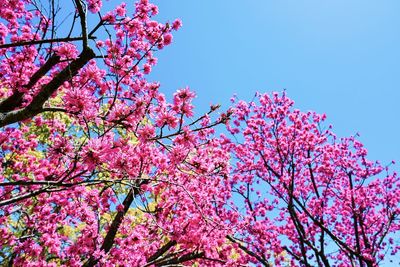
<point>112,231</point>
<point>15,100</point>
<point>161,251</point>
<point>35,107</point>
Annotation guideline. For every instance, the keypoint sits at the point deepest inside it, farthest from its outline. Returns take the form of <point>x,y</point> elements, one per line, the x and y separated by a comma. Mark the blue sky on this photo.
<point>336,57</point>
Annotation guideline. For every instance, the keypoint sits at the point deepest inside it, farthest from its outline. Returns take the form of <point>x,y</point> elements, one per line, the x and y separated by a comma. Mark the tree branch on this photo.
<point>249,252</point>
<point>82,17</point>
<point>181,259</point>
<point>35,107</point>
<point>15,99</point>
<point>112,231</point>
<point>161,251</point>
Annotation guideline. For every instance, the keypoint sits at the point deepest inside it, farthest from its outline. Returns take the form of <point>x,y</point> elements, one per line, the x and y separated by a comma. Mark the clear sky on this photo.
<point>337,57</point>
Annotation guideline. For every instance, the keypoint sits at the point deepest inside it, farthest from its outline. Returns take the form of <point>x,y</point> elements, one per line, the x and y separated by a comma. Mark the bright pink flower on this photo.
<point>146,68</point>
<point>176,24</point>
<point>167,39</point>
<point>121,10</point>
<point>94,5</point>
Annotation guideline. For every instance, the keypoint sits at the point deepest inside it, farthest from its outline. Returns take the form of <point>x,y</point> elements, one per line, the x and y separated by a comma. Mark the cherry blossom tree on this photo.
<point>99,169</point>
<point>306,193</point>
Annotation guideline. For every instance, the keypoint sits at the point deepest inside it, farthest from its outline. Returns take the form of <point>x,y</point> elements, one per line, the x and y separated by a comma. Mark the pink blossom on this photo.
<point>146,68</point>
<point>94,5</point>
<point>67,51</point>
<point>167,39</point>
<point>176,24</point>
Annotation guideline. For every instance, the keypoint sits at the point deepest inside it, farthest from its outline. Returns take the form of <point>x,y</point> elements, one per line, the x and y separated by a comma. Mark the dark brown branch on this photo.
<point>297,257</point>
<point>161,251</point>
<point>82,17</point>
<point>35,107</point>
<point>56,109</point>
<point>194,130</point>
<point>112,231</point>
<point>312,175</point>
<point>181,259</point>
<point>15,100</point>
<point>109,239</point>
<point>59,183</point>
<point>22,197</point>
<point>296,221</point>
<point>355,221</point>
<point>96,28</point>
<point>249,252</point>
